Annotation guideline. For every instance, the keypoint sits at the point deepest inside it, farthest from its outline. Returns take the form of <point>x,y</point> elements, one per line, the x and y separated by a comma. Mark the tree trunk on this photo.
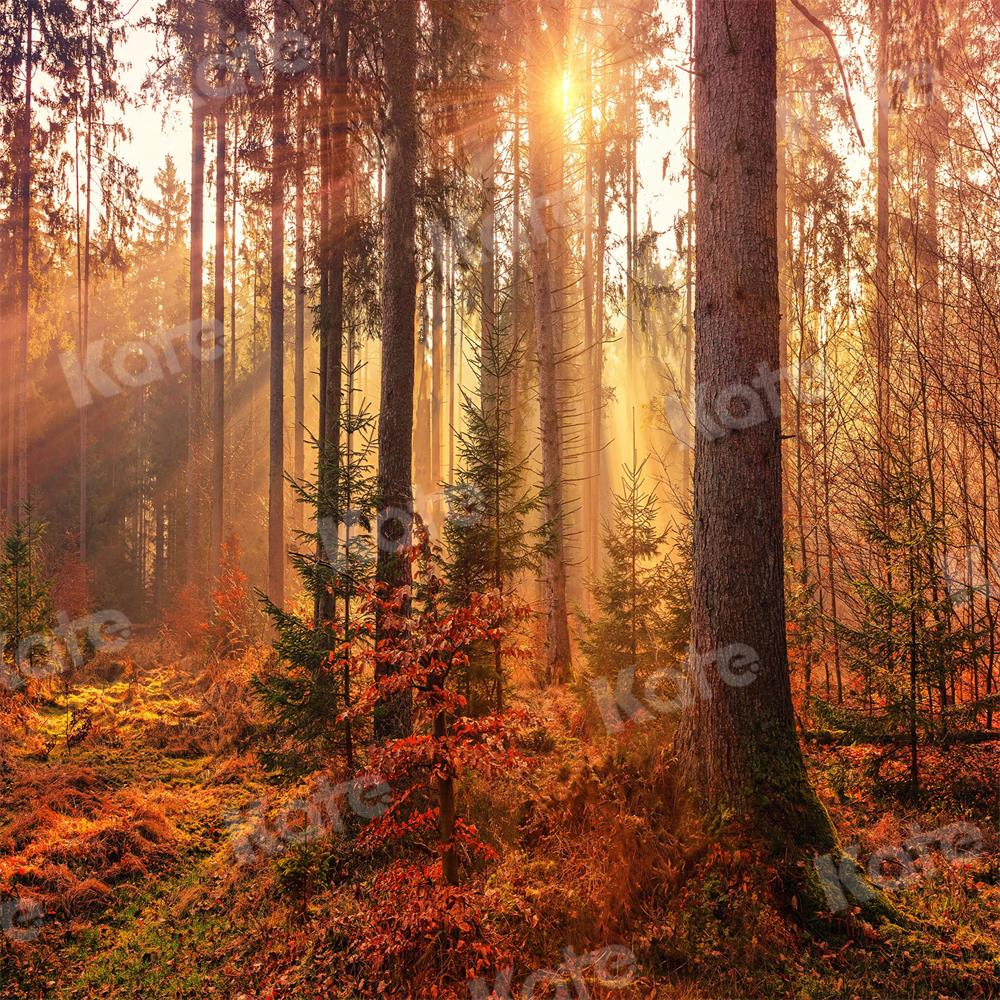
<point>195,311</point>
<point>276,467</point>
<point>488,346</point>
<point>25,277</point>
<point>737,744</point>
<point>447,809</point>
<point>85,310</point>
<point>882,233</point>
<point>300,303</point>
<point>219,342</point>
<point>437,353</point>
<point>334,152</point>
<point>515,258</point>
<point>399,290</point>
<point>544,66</point>
<point>452,381</point>
<point>591,519</point>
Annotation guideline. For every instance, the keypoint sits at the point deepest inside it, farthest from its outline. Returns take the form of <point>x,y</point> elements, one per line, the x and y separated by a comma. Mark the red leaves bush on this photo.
<point>422,654</point>
<point>426,939</point>
<point>235,623</point>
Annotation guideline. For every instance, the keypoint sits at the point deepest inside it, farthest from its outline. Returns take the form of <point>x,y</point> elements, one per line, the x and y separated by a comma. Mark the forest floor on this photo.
<point>125,869</point>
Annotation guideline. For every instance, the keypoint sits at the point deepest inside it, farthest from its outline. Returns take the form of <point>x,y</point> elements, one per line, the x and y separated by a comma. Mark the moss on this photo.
<point>783,812</point>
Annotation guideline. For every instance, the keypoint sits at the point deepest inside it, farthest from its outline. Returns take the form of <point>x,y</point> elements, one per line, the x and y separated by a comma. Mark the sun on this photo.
<point>567,91</point>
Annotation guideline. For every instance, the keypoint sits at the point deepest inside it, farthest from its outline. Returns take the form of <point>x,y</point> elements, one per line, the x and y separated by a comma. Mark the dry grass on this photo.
<point>67,839</point>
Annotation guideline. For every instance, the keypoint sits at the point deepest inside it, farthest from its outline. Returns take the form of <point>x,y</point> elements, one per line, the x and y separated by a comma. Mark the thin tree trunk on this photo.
<point>399,289</point>
<point>489,346</point>
<point>25,275</point>
<point>544,66</point>
<point>219,342</point>
<point>515,254</point>
<point>85,312</point>
<point>452,382</point>
<point>332,344</point>
<point>600,485</point>
<point>592,521</point>
<point>437,353</point>
<point>193,555</point>
<point>300,302</point>
<point>882,235</point>
<point>447,808</point>
<point>276,464</point>
<point>688,361</point>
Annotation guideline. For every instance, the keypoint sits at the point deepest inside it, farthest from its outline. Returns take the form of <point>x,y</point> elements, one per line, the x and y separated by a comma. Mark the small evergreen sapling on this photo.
<point>904,636</point>
<point>487,536</point>
<point>307,692</point>
<point>26,613</point>
<point>641,598</point>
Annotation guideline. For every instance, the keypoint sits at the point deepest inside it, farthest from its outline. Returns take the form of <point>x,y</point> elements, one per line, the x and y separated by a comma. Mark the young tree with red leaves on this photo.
<point>422,768</point>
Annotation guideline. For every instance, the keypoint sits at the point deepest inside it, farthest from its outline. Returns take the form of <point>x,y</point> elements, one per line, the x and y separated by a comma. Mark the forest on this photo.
<point>499,499</point>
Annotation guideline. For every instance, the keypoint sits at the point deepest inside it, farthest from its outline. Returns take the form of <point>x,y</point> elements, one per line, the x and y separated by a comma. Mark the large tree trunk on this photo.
<point>195,302</point>
<point>399,290</point>
<point>219,357</point>
<point>738,745</point>
<point>276,467</point>
<point>544,67</point>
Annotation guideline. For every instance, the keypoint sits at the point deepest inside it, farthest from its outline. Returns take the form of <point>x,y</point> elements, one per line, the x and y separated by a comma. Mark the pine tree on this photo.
<point>490,505</point>
<point>25,601</point>
<point>641,610</point>
<point>904,633</point>
<point>311,685</point>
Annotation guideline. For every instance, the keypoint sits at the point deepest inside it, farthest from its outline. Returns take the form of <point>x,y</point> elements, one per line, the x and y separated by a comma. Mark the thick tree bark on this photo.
<point>399,289</point>
<point>276,466</point>
<point>737,743</point>
<point>544,66</point>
